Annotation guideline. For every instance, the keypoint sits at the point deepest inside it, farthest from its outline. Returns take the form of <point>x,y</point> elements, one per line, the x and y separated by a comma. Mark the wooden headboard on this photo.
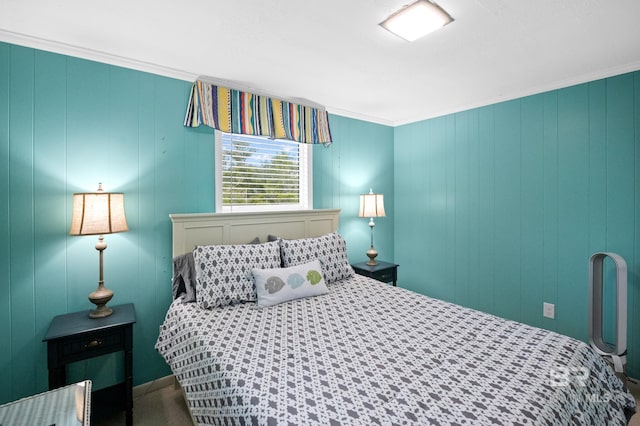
<point>190,230</point>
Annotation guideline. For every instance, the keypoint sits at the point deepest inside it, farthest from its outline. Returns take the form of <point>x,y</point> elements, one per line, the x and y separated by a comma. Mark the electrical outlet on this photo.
<point>549,310</point>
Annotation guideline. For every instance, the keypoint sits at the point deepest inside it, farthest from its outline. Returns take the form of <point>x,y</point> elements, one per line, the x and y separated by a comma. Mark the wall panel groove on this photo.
<point>557,180</point>
<point>67,124</point>
<point>5,219</point>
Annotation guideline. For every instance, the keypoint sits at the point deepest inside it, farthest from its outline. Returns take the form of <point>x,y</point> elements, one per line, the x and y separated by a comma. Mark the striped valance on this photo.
<point>234,111</point>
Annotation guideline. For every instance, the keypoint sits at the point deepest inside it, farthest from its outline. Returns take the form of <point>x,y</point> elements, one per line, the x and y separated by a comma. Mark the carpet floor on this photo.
<point>165,406</point>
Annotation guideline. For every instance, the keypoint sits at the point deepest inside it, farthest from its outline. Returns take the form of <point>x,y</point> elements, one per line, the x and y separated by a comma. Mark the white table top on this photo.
<point>66,406</point>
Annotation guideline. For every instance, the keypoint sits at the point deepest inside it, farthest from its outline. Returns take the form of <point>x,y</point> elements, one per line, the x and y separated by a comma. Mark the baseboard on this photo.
<point>143,389</point>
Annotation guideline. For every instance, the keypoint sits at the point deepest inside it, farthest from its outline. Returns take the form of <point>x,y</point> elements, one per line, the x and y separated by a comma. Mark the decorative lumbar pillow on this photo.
<point>277,285</point>
<point>223,272</point>
<point>330,249</point>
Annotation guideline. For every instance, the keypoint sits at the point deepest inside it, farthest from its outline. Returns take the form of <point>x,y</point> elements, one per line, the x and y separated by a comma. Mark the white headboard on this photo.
<point>190,230</point>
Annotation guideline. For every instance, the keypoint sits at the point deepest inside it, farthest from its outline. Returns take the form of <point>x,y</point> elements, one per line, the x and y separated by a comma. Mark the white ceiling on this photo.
<point>333,52</point>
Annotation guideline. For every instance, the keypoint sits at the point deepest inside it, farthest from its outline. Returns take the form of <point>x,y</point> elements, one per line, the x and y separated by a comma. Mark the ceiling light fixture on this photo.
<point>416,20</point>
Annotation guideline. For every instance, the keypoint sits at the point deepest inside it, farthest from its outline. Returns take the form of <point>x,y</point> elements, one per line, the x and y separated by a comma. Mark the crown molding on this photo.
<point>121,61</point>
<point>533,90</point>
<point>359,116</point>
<point>93,55</point>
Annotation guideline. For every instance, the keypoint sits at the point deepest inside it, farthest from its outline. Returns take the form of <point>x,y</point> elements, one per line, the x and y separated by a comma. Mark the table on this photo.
<point>65,406</point>
<point>75,337</point>
<point>383,271</point>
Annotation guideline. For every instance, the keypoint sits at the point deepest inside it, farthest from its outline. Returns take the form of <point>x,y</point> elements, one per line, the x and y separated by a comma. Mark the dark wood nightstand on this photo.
<point>75,337</point>
<point>383,271</point>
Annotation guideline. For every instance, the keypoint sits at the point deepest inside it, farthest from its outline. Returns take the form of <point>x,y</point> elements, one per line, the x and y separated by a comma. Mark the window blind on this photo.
<point>262,172</point>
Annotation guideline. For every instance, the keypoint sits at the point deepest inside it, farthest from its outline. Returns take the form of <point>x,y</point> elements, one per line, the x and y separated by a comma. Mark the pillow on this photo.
<point>278,285</point>
<point>330,249</point>
<point>184,277</point>
<point>223,272</point>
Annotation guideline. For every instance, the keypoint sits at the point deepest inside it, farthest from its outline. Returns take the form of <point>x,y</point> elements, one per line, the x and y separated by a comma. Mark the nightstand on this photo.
<point>383,271</point>
<point>75,337</point>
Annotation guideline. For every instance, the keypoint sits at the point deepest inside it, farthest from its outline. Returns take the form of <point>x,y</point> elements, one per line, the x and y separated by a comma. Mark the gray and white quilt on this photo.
<point>368,353</point>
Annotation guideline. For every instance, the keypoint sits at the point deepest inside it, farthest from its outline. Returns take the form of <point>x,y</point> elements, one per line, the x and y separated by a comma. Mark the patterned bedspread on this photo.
<point>368,353</point>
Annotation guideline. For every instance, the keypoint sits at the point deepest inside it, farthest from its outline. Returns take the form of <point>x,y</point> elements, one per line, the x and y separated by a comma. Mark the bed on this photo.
<point>362,352</point>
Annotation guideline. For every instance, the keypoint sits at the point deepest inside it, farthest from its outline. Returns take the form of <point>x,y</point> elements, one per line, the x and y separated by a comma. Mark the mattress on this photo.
<point>368,353</point>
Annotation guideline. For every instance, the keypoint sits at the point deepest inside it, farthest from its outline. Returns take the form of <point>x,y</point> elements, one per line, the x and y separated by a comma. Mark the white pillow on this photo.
<point>278,285</point>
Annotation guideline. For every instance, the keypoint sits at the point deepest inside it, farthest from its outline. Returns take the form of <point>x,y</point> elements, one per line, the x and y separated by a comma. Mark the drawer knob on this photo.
<point>93,344</point>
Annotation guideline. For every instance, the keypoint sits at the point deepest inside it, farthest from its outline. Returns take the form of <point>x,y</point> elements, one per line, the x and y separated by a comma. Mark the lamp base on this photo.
<point>371,254</point>
<point>100,312</point>
<point>100,297</point>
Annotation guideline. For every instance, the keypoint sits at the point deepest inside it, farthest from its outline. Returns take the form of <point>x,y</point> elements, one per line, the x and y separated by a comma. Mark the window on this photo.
<point>258,174</point>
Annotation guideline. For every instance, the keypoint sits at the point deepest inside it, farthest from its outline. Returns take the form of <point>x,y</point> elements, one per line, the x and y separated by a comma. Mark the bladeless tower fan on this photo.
<point>616,352</point>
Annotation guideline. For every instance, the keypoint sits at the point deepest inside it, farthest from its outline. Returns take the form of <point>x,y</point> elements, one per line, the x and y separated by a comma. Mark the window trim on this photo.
<point>306,197</point>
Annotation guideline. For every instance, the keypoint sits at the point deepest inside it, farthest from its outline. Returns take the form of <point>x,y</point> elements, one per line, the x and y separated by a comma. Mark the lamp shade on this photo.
<point>98,213</point>
<point>371,205</point>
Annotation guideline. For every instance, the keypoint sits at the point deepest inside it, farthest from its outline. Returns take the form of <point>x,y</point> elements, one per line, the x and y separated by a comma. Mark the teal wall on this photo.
<point>499,208</point>
<point>67,124</point>
<point>360,158</point>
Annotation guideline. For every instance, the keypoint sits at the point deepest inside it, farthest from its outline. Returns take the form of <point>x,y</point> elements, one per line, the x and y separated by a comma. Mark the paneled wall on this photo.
<point>499,208</point>
<point>67,124</point>
<point>360,159</point>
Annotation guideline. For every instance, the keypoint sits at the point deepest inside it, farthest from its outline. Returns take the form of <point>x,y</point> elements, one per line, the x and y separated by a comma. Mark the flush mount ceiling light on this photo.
<point>417,20</point>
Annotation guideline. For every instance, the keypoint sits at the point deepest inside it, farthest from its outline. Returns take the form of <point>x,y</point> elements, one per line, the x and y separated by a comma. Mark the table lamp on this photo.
<point>371,205</point>
<point>98,213</point>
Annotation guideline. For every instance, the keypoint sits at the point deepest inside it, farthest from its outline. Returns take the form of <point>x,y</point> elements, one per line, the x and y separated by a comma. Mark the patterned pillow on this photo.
<point>278,285</point>
<point>223,272</point>
<point>331,249</point>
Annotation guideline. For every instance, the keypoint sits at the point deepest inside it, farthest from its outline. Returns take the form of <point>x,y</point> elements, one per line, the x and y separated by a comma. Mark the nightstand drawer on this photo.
<point>381,271</point>
<point>107,341</point>
<point>384,276</point>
